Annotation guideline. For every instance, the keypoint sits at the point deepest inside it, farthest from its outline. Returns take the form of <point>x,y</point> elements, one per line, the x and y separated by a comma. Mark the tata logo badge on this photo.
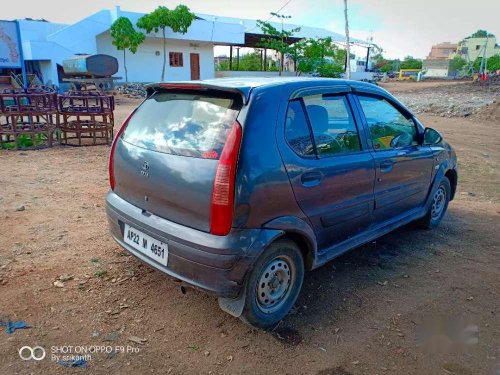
<point>145,169</point>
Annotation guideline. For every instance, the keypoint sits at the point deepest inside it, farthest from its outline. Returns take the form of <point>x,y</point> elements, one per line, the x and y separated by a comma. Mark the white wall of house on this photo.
<point>436,72</point>
<point>80,36</point>
<point>34,36</point>
<point>145,65</point>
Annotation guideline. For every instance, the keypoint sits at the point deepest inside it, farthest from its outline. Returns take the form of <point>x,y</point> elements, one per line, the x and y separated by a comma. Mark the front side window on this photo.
<point>297,131</point>
<point>332,124</point>
<point>389,128</point>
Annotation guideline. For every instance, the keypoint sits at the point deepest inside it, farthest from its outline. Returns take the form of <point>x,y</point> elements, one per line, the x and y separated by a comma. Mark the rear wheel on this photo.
<point>438,207</point>
<point>273,284</point>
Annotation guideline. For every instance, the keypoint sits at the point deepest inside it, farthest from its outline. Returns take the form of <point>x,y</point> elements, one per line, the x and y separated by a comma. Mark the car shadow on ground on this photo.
<point>334,290</point>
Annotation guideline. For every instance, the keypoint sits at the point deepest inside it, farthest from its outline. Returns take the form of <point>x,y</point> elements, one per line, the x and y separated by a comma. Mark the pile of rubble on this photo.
<point>459,100</point>
<point>132,90</point>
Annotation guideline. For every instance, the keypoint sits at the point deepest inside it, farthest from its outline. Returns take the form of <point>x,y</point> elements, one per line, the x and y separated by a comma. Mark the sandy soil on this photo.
<point>447,98</point>
<point>395,86</point>
<point>368,312</point>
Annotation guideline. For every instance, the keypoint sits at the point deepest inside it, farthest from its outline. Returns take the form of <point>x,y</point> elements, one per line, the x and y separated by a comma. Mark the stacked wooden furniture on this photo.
<point>86,118</point>
<point>28,113</point>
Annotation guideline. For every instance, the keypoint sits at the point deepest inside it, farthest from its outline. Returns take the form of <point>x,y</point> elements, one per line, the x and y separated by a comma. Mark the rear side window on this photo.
<point>332,124</point>
<point>297,131</point>
<point>192,124</point>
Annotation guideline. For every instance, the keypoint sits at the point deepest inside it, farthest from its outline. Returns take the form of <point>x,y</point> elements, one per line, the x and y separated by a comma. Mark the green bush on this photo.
<point>410,63</point>
<point>492,64</point>
<point>25,141</point>
<point>330,70</point>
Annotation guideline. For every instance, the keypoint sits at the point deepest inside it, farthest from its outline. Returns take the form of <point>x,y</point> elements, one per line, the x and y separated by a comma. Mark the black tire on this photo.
<point>431,219</point>
<point>262,311</point>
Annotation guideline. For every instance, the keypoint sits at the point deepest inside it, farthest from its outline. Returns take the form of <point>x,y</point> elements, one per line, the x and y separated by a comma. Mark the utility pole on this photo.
<point>482,68</point>
<point>348,50</point>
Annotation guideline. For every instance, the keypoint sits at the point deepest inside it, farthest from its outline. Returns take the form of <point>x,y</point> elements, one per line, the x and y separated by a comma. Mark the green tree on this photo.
<point>383,65</point>
<point>457,63</point>
<point>492,63</point>
<point>278,40</point>
<point>250,62</point>
<point>222,66</point>
<point>125,37</point>
<point>332,70</point>
<point>178,20</point>
<point>480,34</point>
<point>319,55</point>
<point>386,65</point>
<point>410,63</point>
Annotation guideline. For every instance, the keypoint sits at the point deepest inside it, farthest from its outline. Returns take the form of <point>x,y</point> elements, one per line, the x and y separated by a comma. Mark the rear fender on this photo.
<point>293,225</point>
<point>273,230</point>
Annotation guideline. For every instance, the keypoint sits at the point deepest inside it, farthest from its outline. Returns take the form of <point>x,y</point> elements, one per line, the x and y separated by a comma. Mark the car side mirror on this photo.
<point>431,137</point>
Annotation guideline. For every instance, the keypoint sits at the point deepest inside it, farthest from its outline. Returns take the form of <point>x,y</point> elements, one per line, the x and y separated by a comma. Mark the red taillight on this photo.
<point>221,210</point>
<point>112,153</point>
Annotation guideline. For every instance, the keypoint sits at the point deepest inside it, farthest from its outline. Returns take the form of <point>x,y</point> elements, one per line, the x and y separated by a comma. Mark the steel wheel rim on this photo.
<point>438,203</point>
<point>275,284</point>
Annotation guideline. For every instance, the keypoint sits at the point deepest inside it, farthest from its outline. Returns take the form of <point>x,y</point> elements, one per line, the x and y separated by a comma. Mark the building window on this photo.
<point>176,59</point>
<point>477,47</point>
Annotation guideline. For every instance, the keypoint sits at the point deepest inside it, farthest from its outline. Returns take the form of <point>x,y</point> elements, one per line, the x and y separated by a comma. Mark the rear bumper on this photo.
<point>216,264</point>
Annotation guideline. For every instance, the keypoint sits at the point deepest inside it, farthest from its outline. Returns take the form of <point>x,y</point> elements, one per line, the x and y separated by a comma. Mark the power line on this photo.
<point>283,7</point>
<point>279,10</point>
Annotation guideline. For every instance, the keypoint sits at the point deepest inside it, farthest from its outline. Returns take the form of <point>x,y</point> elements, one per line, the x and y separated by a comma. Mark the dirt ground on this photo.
<point>371,311</point>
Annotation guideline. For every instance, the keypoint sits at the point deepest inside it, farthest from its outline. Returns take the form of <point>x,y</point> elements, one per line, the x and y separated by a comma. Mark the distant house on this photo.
<point>442,51</point>
<point>189,56</point>
<point>472,48</point>
<point>437,63</point>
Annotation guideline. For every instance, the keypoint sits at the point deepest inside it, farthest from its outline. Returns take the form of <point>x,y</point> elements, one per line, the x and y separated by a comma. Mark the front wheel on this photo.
<point>439,205</point>
<point>273,284</point>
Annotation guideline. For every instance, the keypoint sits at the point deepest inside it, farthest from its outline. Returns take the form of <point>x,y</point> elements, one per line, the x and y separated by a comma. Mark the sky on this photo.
<point>401,28</point>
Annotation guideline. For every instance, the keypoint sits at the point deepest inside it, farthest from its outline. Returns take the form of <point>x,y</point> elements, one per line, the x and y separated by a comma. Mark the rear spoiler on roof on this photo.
<point>243,91</point>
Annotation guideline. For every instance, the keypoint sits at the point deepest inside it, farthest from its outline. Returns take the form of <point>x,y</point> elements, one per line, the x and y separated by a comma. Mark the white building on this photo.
<point>45,45</point>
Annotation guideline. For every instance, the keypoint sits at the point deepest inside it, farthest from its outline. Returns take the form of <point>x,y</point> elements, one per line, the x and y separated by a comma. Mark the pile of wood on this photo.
<point>28,118</point>
<point>86,118</point>
<point>37,117</point>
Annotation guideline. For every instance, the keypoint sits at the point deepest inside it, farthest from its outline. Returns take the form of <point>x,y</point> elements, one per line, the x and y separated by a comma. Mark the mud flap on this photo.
<point>233,306</point>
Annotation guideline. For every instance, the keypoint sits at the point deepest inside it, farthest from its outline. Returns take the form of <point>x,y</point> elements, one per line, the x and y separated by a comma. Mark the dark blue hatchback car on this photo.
<point>237,186</point>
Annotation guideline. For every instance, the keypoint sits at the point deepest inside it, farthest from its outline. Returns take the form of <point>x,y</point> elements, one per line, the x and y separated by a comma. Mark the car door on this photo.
<point>403,165</point>
<point>329,166</point>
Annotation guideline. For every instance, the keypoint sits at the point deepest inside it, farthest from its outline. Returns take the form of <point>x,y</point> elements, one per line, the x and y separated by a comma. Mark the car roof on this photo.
<point>244,85</point>
<point>252,82</point>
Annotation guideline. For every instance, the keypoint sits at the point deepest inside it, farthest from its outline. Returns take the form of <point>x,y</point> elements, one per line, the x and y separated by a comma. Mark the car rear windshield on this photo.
<point>194,124</point>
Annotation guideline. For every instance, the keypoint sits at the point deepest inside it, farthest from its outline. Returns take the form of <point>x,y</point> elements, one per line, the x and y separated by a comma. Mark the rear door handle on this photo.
<point>386,166</point>
<point>310,179</point>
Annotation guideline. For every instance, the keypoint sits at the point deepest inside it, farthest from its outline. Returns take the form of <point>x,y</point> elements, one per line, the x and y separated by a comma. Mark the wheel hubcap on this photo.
<point>438,203</point>
<point>275,284</point>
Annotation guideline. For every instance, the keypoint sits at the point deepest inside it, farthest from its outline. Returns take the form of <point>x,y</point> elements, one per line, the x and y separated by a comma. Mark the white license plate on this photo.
<point>147,245</point>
